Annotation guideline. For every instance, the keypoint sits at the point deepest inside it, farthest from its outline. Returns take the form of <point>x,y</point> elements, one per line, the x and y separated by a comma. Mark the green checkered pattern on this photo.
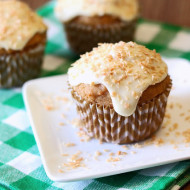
<point>20,163</point>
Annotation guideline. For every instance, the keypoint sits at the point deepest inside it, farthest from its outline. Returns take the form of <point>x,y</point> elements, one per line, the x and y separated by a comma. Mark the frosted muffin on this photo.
<point>88,22</point>
<point>22,43</point>
<point>120,91</point>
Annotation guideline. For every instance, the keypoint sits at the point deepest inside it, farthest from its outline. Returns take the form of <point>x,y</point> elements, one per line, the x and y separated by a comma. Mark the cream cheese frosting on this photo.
<point>125,69</point>
<point>18,24</point>
<point>68,9</point>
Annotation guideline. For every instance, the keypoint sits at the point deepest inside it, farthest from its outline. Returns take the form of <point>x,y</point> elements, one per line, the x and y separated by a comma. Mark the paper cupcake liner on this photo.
<point>83,38</point>
<point>106,125</point>
<point>20,66</point>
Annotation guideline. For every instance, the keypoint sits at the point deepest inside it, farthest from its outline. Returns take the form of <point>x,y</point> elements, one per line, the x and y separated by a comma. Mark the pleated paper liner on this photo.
<point>83,38</point>
<point>105,124</point>
<point>18,67</point>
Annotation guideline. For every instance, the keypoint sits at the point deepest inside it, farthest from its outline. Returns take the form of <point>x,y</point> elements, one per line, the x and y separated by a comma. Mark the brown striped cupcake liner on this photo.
<point>82,38</point>
<point>105,124</point>
<point>20,66</point>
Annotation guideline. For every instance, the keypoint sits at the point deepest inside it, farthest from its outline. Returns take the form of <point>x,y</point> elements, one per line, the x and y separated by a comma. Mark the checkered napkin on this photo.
<point>20,163</point>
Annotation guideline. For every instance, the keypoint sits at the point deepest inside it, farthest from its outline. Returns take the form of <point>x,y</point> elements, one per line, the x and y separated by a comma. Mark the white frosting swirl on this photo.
<point>18,24</point>
<point>68,9</point>
<point>125,69</point>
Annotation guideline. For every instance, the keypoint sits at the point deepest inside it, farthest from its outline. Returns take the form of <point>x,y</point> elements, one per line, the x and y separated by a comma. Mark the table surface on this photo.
<point>170,11</point>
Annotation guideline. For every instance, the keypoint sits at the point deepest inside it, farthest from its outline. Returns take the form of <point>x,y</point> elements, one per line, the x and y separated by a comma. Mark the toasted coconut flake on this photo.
<point>186,135</point>
<point>76,122</point>
<point>187,118</point>
<point>81,133</point>
<point>137,145</point>
<point>177,133</point>
<point>63,116</point>
<point>100,142</point>
<point>111,159</point>
<point>147,142</point>
<point>125,147</point>
<point>85,137</point>
<point>74,163</point>
<point>70,144</point>
<point>179,105</point>
<point>121,153</point>
<point>64,154</point>
<point>158,142</point>
<point>61,124</point>
<point>171,105</point>
<point>153,138</point>
<point>168,116</point>
<point>106,150</point>
<point>111,154</point>
<point>46,100</point>
<point>64,99</point>
<point>98,153</point>
<point>175,126</point>
<point>167,134</point>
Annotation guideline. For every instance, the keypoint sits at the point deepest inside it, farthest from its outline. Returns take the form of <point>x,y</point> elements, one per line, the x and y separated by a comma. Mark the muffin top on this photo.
<point>18,24</point>
<point>125,69</point>
<point>126,10</point>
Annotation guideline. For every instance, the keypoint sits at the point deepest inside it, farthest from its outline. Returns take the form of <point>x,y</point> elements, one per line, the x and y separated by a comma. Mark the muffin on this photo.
<point>89,22</point>
<point>120,91</point>
<point>22,43</point>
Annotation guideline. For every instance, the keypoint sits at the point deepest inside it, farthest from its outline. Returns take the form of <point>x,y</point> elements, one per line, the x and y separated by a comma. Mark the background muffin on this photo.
<point>22,43</point>
<point>88,22</point>
<point>121,91</point>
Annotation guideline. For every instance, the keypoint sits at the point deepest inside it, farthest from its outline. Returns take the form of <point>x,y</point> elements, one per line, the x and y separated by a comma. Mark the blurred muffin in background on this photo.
<point>88,22</point>
<point>22,43</point>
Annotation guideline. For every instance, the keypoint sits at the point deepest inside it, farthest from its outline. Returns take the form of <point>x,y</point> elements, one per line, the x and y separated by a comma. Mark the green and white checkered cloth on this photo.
<point>20,163</point>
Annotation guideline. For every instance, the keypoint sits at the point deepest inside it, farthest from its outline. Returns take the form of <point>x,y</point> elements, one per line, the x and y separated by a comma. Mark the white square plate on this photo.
<point>52,131</point>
